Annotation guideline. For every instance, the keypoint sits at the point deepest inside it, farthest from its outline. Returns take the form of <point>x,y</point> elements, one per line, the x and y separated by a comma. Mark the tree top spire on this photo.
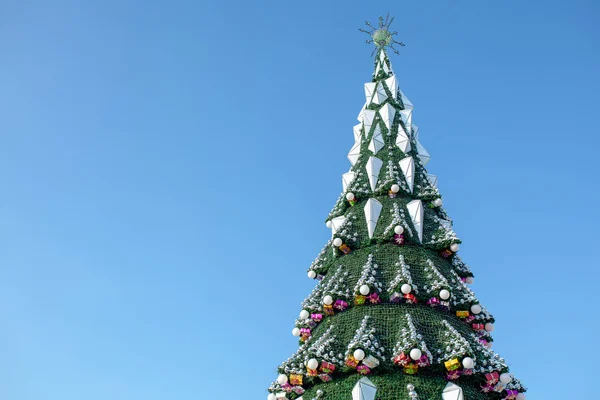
<point>381,36</point>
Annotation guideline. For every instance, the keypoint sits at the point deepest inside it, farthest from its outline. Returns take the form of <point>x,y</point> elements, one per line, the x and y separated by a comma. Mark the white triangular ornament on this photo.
<point>368,116</point>
<point>354,153</point>
<point>347,179</point>
<point>406,116</point>
<point>407,103</point>
<point>357,129</point>
<point>402,140</point>
<point>377,142</point>
<point>423,154</point>
<point>387,113</point>
<point>416,212</point>
<point>407,165</point>
<point>392,85</point>
<point>452,392</point>
<point>364,390</point>
<point>372,211</point>
<point>359,117</point>
<point>432,179</point>
<point>336,224</point>
<point>386,69</point>
<point>379,96</point>
<point>369,90</point>
<point>373,167</point>
<point>382,56</point>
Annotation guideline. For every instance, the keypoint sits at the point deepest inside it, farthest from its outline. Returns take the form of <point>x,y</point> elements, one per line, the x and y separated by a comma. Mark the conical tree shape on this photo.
<point>392,300</point>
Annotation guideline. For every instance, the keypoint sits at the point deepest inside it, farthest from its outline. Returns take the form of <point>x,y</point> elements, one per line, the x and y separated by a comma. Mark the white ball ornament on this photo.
<point>454,247</point>
<point>489,327</point>
<point>395,188</point>
<point>328,224</point>
<point>399,229</point>
<point>476,309</point>
<point>468,362</point>
<point>328,300</point>
<point>438,202</point>
<point>359,354</point>
<point>415,354</point>
<point>470,280</point>
<point>337,242</point>
<point>505,378</point>
<point>312,364</point>
<point>489,345</point>
<point>364,290</point>
<point>521,396</point>
<point>312,274</point>
<point>296,332</point>
<point>350,196</point>
<point>271,396</point>
<point>406,288</point>
<point>444,294</point>
<point>304,314</point>
<point>282,379</point>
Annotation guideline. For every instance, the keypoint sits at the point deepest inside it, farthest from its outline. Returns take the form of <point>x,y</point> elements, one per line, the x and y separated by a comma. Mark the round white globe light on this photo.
<point>468,362</point>
<point>505,378</point>
<point>312,274</point>
<point>271,396</point>
<point>304,314</point>
<point>359,354</point>
<point>296,332</point>
<point>489,327</point>
<point>328,300</point>
<point>350,196</point>
<point>395,188</point>
<point>438,202</point>
<point>470,280</point>
<point>406,288</point>
<point>328,224</point>
<point>415,354</point>
<point>337,242</point>
<point>364,290</point>
<point>476,309</point>
<point>521,396</point>
<point>444,294</point>
<point>282,379</point>
<point>312,364</point>
<point>399,229</point>
<point>454,247</point>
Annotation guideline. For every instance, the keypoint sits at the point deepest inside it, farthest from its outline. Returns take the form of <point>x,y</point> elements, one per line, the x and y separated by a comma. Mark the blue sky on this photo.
<point>166,168</point>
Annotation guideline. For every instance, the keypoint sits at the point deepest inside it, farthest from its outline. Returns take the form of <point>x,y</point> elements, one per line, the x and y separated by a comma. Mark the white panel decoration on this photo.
<point>385,68</point>
<point>364,390</point>
<point>359,117</point>
<point>452,392</point>
<point>372,211</point>
<point>347,179</point>
<point>357,132</point>
<point>368,116</point>
<point>377,142</point>
<point>407,166</point>
<point>405,100</point>
<point>423,154</point>
<point>336,224</point>
<point>406,116</point>
<point>354,153</point>
<point>387,113</point>
<point>402,140</point>
<point>369,90</point>
<point>373,167</point>
<point>432,179</point>
<point>416,212</point>
<point>392,85</point>
<point>382,56</point>
<point>446,224</point>
<point>379,96</point>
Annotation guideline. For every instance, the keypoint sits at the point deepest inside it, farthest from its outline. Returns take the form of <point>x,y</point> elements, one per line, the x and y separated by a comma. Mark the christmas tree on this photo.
<point>392,316</point>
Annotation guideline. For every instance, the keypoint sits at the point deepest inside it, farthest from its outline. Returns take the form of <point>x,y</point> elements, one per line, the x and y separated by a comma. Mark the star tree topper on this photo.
<point>382,37</point>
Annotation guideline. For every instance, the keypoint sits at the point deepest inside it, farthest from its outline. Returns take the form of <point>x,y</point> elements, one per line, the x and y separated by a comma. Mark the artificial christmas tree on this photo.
<point>392,301</point>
